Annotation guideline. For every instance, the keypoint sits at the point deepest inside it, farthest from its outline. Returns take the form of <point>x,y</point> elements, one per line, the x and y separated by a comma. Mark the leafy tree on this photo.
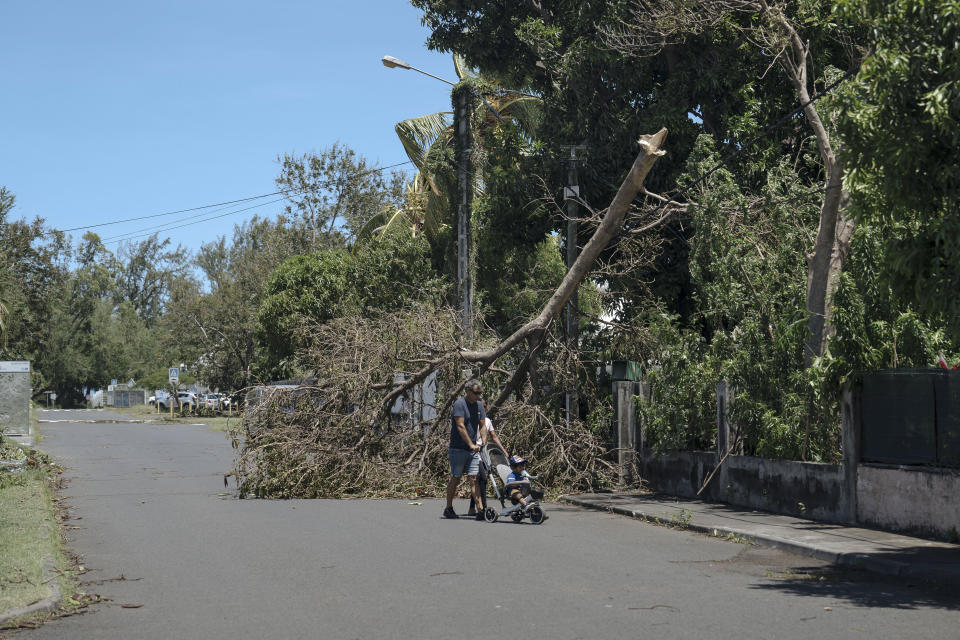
<point>33,280</point>
<point>336,192</point>
<point>145,274</point>
<point>215,329</point>
<point>900,122</point>
<point>712,81</point>
<point>378,277</point>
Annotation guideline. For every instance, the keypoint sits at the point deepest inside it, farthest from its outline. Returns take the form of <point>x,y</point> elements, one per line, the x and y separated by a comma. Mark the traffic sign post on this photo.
<point>174,381</point>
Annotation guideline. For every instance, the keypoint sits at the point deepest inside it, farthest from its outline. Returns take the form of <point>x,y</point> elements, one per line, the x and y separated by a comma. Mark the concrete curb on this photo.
<point>50,603</point>
<point>866,562</point>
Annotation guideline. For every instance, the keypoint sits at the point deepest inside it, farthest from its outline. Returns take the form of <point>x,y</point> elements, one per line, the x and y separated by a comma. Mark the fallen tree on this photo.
<point>351,432</point>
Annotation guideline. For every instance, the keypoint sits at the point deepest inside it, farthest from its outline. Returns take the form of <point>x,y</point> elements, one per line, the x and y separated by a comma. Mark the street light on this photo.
<point>461,128</point>
<point>397,63</point>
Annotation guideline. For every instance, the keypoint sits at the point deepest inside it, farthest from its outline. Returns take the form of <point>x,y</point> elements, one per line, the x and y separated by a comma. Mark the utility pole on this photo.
<point>570,194</point>
<point>461,125</point>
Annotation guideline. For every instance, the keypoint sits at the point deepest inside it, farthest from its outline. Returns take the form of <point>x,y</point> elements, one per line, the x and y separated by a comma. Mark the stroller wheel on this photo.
<point>517,516</point>
<point>536,515</point>
<point>490,514</point>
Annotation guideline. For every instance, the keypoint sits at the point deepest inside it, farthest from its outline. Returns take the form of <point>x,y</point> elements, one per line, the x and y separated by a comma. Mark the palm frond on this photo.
<point>418,135</point>
<point>370,227</point>
<point>399,220</point>
<point>464,71</point>
<point>437,214</point>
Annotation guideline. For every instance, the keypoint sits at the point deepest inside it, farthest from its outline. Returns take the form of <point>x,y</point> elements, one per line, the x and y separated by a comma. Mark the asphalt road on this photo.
<point>151,524</point>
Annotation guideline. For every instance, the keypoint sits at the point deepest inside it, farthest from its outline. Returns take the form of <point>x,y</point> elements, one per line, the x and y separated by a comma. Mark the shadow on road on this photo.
<point>862,588</point>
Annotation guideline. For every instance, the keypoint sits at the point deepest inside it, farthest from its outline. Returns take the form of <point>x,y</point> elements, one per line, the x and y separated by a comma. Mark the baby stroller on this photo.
<point>497,467</point>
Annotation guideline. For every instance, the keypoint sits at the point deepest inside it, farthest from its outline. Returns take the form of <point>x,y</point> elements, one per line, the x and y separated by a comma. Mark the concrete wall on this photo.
<point>678,473</point>
<point>803,489</point>
<point>15,397</point>
<point>919,500</point>
<point>909,499</point>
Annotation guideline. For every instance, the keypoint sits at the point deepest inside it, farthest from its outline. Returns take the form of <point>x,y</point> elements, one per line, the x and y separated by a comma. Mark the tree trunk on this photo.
<point>608,229</point>
<point>827,258</point>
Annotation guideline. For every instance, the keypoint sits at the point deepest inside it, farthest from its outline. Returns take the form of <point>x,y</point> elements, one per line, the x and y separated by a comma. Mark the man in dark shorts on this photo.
<point>468,415</point>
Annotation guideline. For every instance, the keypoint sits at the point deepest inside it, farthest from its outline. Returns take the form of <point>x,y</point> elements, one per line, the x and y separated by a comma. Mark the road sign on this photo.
<point>114,382</point>
<point>174,375</point>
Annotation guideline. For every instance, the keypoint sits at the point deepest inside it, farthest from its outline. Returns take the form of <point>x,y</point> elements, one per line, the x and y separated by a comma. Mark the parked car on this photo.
<point>212,401</point>
<point>186,398</point>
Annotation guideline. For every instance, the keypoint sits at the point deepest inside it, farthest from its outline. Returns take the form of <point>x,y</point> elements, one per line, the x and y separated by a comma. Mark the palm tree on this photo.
<point>428,142</point>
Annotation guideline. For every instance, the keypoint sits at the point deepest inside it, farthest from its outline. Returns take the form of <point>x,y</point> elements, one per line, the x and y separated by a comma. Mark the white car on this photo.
<point>185,398</point>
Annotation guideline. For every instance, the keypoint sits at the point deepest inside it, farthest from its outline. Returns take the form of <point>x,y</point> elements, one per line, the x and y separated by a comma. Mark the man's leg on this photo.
<point>475,493</point>
<point>452,490</point>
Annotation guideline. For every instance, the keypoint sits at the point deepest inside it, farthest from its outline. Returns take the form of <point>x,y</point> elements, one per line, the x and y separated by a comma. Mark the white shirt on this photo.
<point>488,425</point>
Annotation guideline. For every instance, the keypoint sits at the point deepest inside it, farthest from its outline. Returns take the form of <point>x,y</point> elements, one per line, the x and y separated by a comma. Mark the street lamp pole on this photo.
<point>461,124</point>
<point>396,63</point>
<point>570,195</point>
<point>461,127</point>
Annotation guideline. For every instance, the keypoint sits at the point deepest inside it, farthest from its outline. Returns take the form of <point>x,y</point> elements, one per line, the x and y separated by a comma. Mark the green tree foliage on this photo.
<point>379,276</point>
<point>336,192</point>
<point>901,124</point>
<point>748,272</point>
<point>876,327</point>
<point>146,272</point>
<point>214,327</point>
<point>33,283</point>
<point>602,86</point>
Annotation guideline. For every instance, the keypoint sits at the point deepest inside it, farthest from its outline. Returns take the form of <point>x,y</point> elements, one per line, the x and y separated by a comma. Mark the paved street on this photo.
<point>153,527</point>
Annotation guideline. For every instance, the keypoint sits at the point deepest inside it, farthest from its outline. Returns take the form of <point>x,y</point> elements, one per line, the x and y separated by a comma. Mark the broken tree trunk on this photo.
<point>608,229</point>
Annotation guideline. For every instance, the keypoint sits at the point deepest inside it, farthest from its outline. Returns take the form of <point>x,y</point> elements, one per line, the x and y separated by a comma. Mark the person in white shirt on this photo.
<point>484,433</point>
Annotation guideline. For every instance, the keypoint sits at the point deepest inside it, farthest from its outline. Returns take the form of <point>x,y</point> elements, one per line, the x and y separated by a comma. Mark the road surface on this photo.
<point>154,525</point>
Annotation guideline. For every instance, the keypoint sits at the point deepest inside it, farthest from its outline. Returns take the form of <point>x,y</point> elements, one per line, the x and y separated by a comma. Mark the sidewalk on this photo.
<point>870,549</point>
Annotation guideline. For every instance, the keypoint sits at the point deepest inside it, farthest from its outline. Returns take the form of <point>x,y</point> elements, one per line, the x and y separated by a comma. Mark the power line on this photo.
<point>171,213</point>
<point>180,226</point>
<point>171,224</point>
<point>220,204</point>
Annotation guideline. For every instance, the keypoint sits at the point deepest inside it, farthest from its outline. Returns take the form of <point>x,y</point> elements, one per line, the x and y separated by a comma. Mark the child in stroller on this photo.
<point>516,485</point>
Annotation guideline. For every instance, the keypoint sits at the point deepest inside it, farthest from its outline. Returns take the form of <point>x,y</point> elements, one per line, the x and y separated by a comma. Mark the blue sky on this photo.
<point>113,110</point>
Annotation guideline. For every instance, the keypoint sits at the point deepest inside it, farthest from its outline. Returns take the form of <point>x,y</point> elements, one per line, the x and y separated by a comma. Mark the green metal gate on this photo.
<point>911,416</point>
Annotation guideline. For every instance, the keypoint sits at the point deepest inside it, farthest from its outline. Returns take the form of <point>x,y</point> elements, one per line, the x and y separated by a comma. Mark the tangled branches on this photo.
<point>328,437</point>
<point>373,404</point>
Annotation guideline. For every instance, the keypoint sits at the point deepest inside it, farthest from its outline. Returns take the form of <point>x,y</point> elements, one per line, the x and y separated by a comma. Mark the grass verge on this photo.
<point>32,552</point>
<point>227,424</point>
<point>29,540</point>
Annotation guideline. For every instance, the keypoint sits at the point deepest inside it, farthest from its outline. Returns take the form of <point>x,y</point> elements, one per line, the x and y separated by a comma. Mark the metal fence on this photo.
<point>911,416</point>
<point>126,399</point>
